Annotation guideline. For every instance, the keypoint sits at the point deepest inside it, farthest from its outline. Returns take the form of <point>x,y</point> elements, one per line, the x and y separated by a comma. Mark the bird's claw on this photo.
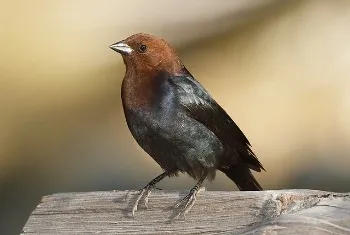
<point>145,191</point>
<point>146,197</point>
<point>134,208</point>
<point>190,199</point>
<point>179,202</point>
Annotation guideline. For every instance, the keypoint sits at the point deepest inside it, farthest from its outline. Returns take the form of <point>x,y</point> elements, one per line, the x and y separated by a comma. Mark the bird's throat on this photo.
<point>140,91</point>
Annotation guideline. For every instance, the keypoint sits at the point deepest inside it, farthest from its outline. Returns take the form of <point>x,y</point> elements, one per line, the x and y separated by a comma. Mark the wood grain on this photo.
<point>265,212</point>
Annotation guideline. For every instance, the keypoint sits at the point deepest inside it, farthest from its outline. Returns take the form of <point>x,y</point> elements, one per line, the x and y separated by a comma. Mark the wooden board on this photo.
<point>265,212</point>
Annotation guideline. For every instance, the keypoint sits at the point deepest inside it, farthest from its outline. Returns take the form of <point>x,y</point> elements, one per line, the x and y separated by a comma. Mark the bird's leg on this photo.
<point>190,199</point>
<point>147,191</point>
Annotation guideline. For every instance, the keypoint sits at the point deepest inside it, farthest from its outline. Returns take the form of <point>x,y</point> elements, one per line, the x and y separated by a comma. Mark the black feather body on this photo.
<point>185,130</point>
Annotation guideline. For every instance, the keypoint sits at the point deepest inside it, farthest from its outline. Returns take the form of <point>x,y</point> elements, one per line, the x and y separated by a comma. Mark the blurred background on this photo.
<point>281,69</point>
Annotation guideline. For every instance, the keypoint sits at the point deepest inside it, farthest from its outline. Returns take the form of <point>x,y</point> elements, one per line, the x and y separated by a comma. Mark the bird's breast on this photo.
<point>146,90</point>
<point>146,110</point>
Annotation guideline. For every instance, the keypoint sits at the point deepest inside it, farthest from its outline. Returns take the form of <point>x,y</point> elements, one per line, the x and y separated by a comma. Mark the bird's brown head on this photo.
<point>145,53</point>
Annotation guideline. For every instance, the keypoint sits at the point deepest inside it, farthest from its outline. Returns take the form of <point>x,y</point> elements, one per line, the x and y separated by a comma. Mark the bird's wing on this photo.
<point>199,105</point>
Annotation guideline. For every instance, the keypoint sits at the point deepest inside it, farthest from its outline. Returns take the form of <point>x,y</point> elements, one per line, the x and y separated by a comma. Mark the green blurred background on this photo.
<point>281,69</point>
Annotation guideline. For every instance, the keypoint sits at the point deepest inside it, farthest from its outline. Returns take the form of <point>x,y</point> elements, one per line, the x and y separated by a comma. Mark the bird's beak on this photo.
<point>121,47</point>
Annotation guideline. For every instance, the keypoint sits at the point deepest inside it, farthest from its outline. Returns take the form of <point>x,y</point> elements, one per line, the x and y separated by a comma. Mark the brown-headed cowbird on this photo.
<point>175,120</point>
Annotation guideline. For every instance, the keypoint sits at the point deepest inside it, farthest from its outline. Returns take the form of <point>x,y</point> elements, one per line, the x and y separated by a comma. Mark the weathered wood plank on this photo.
<point>279,212</point>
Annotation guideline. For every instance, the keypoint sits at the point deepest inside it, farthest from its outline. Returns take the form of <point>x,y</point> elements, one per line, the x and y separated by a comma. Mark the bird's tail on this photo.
<point>243,178</point>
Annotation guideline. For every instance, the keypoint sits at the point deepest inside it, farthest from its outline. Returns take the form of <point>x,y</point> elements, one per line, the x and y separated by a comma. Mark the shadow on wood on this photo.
<point>265,212</point>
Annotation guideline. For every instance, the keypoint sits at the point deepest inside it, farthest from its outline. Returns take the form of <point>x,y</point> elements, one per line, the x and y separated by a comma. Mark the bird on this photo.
<point>176,121</point>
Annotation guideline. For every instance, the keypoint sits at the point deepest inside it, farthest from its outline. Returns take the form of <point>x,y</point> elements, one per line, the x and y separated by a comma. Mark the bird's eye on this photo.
<point>142,48</point>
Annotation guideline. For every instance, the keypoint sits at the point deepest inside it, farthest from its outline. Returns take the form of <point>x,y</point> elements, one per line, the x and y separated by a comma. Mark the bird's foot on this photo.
<point>145,191</point>
<point>186,203</point>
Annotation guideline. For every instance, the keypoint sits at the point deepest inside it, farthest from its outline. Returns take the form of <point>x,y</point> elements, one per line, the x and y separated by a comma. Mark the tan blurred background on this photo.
<point>281,69</point>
